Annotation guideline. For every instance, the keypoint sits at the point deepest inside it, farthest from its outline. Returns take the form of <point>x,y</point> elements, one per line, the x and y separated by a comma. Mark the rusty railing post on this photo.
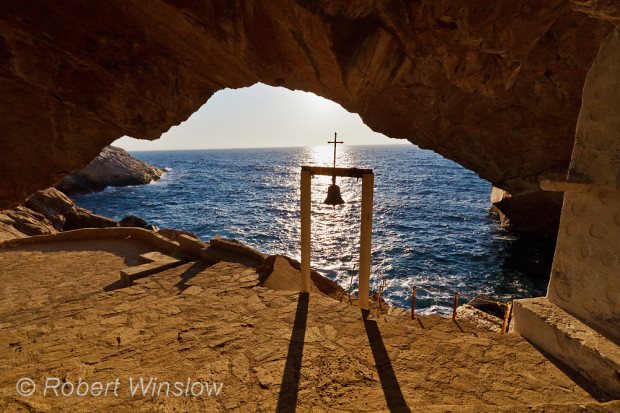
<point>506,316</point>
<point>456,303</point>
<point>413,303</point>
<point>351,283</point>
<point>379,297</point>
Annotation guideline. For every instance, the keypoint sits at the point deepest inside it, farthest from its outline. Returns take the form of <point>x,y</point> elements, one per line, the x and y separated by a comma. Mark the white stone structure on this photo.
<point>579,320</point>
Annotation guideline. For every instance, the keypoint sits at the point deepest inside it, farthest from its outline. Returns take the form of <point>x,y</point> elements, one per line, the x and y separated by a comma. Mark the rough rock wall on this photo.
<point>600,9</point>
<point>495,86</point>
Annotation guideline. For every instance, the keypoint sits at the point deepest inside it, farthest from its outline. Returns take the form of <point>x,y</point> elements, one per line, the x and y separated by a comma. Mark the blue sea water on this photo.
<point>431,226</point>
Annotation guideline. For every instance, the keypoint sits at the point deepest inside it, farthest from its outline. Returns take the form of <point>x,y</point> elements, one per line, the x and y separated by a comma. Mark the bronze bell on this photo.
<point>333,192</point>
<point>333,196</point>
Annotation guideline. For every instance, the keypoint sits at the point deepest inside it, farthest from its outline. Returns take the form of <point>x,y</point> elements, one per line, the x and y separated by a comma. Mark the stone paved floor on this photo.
<point>215,324</point>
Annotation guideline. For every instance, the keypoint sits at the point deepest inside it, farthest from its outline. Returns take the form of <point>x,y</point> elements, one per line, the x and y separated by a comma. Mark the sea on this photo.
<point>431,223</point>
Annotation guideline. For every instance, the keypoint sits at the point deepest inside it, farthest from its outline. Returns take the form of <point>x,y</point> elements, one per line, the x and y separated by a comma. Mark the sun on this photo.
<point>319,106</point>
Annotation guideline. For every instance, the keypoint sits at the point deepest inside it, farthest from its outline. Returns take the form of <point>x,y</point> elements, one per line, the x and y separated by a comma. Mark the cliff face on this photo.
<point>494,86</point>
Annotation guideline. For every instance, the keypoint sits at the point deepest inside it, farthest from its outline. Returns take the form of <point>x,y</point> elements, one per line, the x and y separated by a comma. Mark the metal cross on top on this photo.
<point>335,141</point>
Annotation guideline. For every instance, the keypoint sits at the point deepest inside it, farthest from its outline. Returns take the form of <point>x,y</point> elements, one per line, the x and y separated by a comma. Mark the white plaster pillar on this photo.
<point>368,181</point>
<point>305,209</point>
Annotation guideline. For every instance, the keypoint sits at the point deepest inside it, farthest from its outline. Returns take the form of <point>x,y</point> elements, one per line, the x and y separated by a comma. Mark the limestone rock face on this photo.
<point>112,167</point>
<point>21,222</point>
<point>278,272</point>
<point>494,86</point>
<point>47,212</point>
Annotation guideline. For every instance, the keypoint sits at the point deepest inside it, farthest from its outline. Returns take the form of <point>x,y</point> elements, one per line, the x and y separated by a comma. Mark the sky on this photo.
<point>262,116</point>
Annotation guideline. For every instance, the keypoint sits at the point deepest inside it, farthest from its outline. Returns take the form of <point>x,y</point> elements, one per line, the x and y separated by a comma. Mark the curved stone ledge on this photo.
<point>158,241</point>
<point>238,248</point>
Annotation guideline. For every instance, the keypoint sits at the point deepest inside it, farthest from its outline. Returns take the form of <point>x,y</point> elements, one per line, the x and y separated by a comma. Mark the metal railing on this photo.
<point>383,286</point>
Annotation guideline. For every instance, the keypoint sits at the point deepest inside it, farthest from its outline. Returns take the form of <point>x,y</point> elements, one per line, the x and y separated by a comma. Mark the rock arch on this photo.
<point>494,87</point>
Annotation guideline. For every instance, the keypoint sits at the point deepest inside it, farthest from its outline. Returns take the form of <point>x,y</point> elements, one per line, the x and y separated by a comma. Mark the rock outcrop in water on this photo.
<point>112,167</point>
<point>48,212</point>
<point>517,212</point>
<point>495,87</point>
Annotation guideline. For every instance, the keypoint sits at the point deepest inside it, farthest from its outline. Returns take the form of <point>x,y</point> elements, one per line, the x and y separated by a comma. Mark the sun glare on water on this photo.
<point>322,155</point>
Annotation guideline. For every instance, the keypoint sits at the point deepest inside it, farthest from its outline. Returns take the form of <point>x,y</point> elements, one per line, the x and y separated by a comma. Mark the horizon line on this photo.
<point>261,147</point>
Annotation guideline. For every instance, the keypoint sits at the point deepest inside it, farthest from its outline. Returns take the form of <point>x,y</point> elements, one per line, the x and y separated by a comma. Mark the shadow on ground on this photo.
<point>289,388</point>
<point>391,389</point>
<point>287,399</point>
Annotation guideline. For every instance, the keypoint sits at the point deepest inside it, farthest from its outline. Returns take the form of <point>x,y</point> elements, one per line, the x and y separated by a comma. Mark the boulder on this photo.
<point>112,167</point>
<point>282,276</point>
<point>489,305</point>
<point>279,272</point>
<point>7,230</point>
<point>479,318</point>
<point>53,204</point>
<point>78,217</point>
<point>21,222</point>
<point>484,312</point>
<point>515,211</point>
<point>132,221</point>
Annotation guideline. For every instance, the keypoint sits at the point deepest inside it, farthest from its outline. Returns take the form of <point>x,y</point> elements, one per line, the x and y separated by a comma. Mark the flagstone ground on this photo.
<point>64,315</point>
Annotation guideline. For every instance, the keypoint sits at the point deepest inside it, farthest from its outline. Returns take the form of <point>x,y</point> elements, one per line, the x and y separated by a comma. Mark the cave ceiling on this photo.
<point>494,86</point>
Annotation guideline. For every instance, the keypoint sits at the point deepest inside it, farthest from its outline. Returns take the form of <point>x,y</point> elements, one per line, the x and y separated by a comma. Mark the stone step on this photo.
<point>154,262</point>
<point>156,256</point>
<point>590,354</point>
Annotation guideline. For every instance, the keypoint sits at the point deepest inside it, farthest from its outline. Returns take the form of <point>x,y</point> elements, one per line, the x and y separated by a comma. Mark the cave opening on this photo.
<point>232,171</point>
<point>499,90</point>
